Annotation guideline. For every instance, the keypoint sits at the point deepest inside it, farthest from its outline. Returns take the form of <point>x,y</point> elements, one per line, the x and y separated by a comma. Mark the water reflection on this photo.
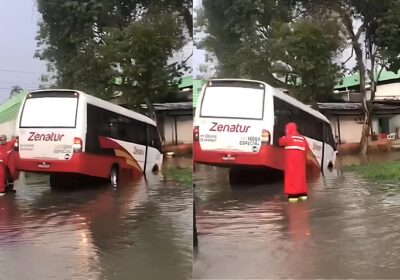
<point>347,229</point>
<point>143,229</point>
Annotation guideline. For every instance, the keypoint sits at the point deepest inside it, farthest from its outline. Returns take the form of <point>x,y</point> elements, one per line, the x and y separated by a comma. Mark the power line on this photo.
<point>18,71</point>
<point>18,83</point>
<point>9,88</point>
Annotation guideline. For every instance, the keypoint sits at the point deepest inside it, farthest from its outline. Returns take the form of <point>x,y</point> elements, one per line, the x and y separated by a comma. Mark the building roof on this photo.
<point>354,80</point>
<point>197,86</point>
<point>349,81</point>
<point>339,106</point>
<point>380,108</point>
<point>171,106</point>
<point>185,82</point>
<point>10,108</point>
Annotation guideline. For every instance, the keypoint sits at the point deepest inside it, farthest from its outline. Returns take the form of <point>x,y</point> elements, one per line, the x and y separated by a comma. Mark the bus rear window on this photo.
<point>49,111</point>
<point>233,102</point>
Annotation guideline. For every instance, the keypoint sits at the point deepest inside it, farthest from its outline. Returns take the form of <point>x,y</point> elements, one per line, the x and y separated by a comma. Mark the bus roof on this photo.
<point>280,94</point>
<point>105,105</point>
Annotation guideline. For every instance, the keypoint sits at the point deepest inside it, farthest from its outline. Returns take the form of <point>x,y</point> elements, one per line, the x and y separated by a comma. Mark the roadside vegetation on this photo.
<point>388,171</point>
<point>183,176</point>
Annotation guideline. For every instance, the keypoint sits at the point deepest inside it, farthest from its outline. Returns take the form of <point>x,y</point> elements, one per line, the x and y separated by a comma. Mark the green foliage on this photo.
<point>88,43</point>
<point>308,49</point>
<point>266,40</point>
<point>181,175</point>
<point>15,90</point>
<point>388,171</point>
<point>388,34</point>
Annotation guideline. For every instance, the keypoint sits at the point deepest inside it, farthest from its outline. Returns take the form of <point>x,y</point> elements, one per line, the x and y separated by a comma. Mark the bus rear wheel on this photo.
<point>57,181</point>
<point>234,177</point>
<point>114,176</point>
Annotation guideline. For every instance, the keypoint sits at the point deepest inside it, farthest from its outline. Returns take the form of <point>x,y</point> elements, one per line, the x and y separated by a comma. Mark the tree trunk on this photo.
<point>367,114</point>
<point>188,18</point>
<point>348,23</point>
<point>150,108</point>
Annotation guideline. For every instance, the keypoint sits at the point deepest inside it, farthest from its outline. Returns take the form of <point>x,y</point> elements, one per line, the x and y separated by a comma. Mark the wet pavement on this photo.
<point>348,228</point>
<point>140,231</point>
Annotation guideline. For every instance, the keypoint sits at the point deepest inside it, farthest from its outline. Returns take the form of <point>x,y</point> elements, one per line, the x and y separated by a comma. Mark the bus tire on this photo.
<point>155,168</point>
<point>234,177</point>
<point>114,176</point>
<point>9,182</point>
<point>56,181</point>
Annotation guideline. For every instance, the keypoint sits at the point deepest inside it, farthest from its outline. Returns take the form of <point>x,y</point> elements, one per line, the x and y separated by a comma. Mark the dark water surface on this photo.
<point>140,231</point>
<point>348,228</point>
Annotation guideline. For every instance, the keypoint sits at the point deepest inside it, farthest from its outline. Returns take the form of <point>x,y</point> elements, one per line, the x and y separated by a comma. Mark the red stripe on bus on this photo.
<point>80,163</point>
<point>106,142</point>
<point>268,156</point>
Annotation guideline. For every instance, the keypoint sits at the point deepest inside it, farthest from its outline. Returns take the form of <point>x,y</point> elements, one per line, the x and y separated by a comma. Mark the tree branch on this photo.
<point>360,31</point>
<point>351,55</point>
<point>188,18</point>
<point>379,74</point>
<point>187,58</point>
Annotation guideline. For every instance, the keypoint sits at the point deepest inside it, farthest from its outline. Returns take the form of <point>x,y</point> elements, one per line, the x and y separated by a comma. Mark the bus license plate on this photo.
<point>43,165</point>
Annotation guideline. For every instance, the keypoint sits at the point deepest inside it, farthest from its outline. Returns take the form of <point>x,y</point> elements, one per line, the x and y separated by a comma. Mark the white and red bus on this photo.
<point>66,132</point>
<point>238,123</point>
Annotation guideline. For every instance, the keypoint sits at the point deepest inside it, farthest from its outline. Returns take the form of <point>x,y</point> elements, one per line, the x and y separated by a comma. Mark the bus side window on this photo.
<point>279,120</point>
<point>154,137</point>
<point>137,132</point>
<point>114,128</point>
<point>328,136</point>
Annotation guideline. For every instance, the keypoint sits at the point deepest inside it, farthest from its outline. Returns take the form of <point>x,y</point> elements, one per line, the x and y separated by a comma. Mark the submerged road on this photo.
<point>349,228</point>
<point>139,231</point>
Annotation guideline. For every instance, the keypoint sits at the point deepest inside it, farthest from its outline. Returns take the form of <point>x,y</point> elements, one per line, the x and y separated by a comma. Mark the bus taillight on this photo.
<point>77,144</point>
<point>16,143</point>
<point>196,133</point>
<point>265,137</point>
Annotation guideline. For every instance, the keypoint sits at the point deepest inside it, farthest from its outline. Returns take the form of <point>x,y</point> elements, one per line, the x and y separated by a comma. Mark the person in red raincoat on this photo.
<point>8,172</point>
<point>296,148</point>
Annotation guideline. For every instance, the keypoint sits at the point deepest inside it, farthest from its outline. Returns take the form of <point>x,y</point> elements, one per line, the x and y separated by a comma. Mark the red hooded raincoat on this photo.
<point>296,149</point>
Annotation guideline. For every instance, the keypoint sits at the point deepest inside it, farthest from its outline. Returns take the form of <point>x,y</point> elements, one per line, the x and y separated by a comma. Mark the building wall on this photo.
<point>375,126</point>
<point>350,128</point>
<point>183,131</point>
<point>394,125</point>
<point>8,129</point>
<point>352,96</point>
<point>388,90</point>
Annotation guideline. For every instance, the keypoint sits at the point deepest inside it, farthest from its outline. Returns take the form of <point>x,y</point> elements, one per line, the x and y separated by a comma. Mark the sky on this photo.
<point>18,28</point>
<point>197,3</point>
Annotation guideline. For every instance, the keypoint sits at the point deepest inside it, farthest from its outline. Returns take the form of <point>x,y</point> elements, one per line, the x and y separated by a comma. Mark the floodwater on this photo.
<point>140,231</point>
<point>348,228</point>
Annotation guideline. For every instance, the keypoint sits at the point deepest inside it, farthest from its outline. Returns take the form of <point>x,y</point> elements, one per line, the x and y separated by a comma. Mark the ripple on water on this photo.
<point>96,232</point>
<point>348,228</point>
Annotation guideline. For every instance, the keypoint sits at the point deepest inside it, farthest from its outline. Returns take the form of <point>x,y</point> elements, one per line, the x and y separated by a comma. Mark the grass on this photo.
<point>182,176</point>
<point>388,171</point>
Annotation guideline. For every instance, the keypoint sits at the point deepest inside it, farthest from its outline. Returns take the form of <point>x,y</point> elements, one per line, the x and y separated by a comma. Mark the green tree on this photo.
<point>268,40</point>
<point>15,90</point>
<point>371,27</point>
<point>89,43</point>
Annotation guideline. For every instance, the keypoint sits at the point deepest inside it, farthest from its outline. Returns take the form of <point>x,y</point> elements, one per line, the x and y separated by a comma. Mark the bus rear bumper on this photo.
<point>268,156</point>
<point>80,163</point>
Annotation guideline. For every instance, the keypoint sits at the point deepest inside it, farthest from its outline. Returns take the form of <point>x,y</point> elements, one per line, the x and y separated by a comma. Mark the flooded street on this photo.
<point>348,228</point>
<point>140,231</point>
